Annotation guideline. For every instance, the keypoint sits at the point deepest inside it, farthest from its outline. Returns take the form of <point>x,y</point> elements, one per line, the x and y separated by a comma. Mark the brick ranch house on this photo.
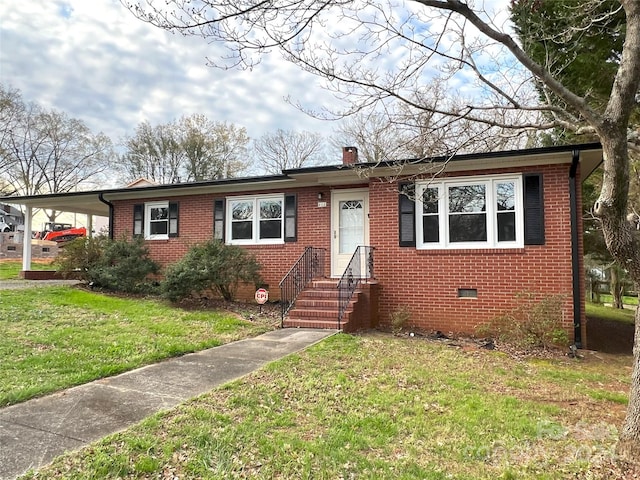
<point>453,249</point>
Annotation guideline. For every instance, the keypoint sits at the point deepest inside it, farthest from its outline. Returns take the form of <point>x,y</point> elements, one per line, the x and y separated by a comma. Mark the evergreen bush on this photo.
<point>118,265</point>
<point>211,266</point>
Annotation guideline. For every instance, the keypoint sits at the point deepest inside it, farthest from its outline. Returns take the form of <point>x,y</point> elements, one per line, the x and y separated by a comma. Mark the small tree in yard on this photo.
<point>211,266</point>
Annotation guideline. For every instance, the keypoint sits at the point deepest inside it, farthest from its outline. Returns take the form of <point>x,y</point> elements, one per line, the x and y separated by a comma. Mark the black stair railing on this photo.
<point>360,268</point>
<point>310,265</point>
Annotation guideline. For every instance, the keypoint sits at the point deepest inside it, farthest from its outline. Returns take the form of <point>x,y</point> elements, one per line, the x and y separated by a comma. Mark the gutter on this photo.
<point>575,251</point>
<point>111,216</point>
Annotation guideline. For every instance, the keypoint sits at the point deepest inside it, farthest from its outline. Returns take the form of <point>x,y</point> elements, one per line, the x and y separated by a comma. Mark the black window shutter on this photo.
<point>290,218</point>
<point>407,215</point>
<point>138,220</point>
<point>173,219</point>
<point>533,209</point>
<point>218,219</point>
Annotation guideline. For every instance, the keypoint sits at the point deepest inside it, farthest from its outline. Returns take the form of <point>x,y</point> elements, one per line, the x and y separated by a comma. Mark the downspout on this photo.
<point>110,205</point>
<point>575,250</point>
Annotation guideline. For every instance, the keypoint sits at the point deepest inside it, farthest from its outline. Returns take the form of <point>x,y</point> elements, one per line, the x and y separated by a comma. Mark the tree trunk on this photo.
<point>629,444</point>
<point>616,287</point>
<point>611,207</point>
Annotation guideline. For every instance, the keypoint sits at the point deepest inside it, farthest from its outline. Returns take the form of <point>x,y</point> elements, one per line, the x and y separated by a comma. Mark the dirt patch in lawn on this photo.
<point>609,336</point>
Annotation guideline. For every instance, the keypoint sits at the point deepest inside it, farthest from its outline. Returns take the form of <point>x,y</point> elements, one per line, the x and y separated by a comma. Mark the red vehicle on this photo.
<point>60,232</point>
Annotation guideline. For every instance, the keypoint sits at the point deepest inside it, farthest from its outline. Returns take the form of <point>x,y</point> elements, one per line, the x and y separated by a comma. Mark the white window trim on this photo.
<point>491,211</point>
<point>256,219</point>
<point>147,220</point>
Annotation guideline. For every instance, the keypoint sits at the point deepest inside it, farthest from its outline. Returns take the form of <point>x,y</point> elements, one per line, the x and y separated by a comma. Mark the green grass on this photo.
<point>56,337</point>
<point>374,407</point>
<point>617,314</point>
<point>10,269</point>
<point>607,298</point>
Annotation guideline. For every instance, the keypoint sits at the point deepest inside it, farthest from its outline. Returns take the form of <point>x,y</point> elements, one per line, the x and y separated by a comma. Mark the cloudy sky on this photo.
<point>96,62</point>
<point>93,60</point>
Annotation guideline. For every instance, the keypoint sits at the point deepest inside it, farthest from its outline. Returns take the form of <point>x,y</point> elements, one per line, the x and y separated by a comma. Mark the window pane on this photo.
<point>506,196</point>
<point>158,228</point>
<point>241,230</point>
<point>430,229</point>
<point>270,229</point>
<point>351,225</point>
<point>507,227</point>
<point>467,199</point>
<point>430,200</point>
<point>158,213</point>
<point>468,228</point>
<point>242,210</point>
<point>270,209</point>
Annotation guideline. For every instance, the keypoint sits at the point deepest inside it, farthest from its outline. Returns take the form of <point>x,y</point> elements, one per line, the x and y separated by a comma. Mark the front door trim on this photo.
<point>337,262</point>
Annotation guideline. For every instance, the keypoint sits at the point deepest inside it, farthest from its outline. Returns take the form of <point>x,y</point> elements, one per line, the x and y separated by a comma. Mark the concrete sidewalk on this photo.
<point>34,432</point>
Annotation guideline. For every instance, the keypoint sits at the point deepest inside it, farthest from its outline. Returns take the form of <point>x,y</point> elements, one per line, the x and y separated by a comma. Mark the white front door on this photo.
<point>349,226</point>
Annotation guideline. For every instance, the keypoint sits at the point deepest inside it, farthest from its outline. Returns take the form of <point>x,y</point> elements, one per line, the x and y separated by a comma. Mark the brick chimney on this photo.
<point>349,155</point>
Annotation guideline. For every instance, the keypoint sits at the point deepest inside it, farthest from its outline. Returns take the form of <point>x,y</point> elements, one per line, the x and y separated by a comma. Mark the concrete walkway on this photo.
<point>34,432</point>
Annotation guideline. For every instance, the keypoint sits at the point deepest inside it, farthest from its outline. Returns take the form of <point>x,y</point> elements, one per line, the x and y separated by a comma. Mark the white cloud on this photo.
<point>96,62</point>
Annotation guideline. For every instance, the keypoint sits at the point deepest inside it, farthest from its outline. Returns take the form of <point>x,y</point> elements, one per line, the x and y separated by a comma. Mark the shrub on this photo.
<point>211,266</point>
<point>534,322</point>
<point>399,318</point>
<point>79,256</point>
<point>117,265</point>
<point>124,266</point>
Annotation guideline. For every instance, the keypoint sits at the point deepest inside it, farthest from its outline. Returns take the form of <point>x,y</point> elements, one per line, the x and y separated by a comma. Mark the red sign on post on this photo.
<point>262,295</point>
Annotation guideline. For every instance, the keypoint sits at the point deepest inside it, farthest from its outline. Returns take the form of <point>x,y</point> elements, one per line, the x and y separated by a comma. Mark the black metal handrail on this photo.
<point>310,265</point>
<point>360,267</point>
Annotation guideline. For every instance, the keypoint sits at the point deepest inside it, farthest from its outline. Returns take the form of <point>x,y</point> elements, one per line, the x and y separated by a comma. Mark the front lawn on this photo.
<point>626,300</point>
<point>376,407</point>
<point>57,337</point>
<point>624,315</point>
<point>10,269</point>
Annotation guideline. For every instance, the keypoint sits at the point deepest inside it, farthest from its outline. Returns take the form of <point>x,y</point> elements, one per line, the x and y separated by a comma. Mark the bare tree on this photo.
<point>286,149</point>
<point>395,50</point>
<point>12,109</point>
<point>191,149</point>
<point>46,151</point>
<point>422,135</point>
<point>377,139</point>
<point>153,153</point>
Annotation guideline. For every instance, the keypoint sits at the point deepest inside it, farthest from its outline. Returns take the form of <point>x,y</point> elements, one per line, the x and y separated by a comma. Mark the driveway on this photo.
<point>16,284</point>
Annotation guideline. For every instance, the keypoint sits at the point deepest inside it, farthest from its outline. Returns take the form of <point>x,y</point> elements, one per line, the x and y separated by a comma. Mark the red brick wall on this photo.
<point>427,281</point>
<point>196,225</point>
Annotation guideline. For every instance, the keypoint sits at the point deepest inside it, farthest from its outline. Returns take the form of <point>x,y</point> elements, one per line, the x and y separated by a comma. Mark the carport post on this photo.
<point>26,240</point>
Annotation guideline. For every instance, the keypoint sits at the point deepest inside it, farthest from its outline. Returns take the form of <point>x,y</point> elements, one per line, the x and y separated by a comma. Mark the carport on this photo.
<point>85,203</point>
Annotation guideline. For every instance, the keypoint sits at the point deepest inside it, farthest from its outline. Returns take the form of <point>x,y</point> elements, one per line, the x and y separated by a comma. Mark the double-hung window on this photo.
<point>470,213</point>
<point>155,220</point>
<point>257,219</point>
<point>157,215</point>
